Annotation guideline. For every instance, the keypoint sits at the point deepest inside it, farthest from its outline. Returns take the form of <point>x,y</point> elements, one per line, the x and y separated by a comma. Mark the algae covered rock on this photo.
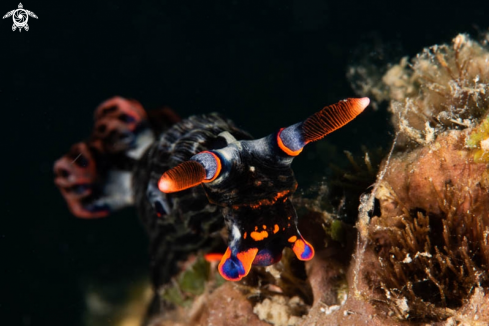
<point>424,255</point>
<point>444,87</point>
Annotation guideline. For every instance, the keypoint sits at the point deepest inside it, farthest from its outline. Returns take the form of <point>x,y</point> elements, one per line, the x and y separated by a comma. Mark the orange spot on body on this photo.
<point>245,235</point>
<point>275,228</point>
<point>267,202</point>
<point>256,228</point>
<point>292,239</point>
<point>258,236</point>
<point>264,227</point>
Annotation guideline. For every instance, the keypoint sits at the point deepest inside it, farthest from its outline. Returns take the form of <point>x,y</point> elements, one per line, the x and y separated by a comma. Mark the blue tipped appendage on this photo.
<point>233,268</point>
<point>307,253</point>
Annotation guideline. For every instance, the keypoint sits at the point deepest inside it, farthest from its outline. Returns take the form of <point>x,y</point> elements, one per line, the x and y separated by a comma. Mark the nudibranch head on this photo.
<point>251,180</point>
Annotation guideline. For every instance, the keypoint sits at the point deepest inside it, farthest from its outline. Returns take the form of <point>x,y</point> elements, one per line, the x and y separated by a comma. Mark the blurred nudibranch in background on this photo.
<point>184,176</point>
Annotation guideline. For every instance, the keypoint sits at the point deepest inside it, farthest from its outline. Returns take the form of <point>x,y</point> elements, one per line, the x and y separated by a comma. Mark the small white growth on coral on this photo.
<point>403,306</point>
<point>485,145</point>
<point>407,260</point>
<point>429,133</point>
<point>342,294</point>
<point>424,254</point>
<point>272,269</point>
<point>330,309</point>
<point>279,310</point>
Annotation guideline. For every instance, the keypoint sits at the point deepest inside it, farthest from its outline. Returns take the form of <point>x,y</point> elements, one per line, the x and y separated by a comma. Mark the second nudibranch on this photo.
<point>251,180</point>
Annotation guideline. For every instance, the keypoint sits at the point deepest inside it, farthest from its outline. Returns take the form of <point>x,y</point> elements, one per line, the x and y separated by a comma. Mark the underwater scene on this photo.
<point>288,163</point>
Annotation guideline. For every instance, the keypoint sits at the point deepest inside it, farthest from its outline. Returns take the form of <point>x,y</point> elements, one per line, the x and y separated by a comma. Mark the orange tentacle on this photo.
<point>183,176</point>
<point>332,117</point>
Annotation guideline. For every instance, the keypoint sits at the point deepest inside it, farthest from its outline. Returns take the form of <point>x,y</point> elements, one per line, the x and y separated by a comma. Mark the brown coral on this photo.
<point>444,87</point>
<point>427,252</point>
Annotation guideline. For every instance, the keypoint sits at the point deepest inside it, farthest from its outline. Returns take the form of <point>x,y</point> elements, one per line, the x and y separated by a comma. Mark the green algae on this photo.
<point>191,282</point>
<point>476,141</point>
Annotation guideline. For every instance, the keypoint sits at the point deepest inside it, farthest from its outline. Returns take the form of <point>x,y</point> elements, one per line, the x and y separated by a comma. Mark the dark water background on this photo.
<point>264,64</point>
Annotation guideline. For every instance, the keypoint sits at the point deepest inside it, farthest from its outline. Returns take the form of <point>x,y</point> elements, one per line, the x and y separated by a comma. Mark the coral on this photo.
<point>428,265</point>
<point>473,311</point>
<point>349,182</point>
<point>432,235</point>
<point>224,306</point>
<point>200,296</point>
<point>424,255</point>
<point>279,311</point>
<point>479,141</point>
<point>418,179</point>
<point>443,88</point>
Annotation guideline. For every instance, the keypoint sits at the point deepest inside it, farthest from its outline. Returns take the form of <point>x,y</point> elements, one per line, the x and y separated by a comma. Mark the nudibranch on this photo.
<point>252,180</point>
<point>185,175</point>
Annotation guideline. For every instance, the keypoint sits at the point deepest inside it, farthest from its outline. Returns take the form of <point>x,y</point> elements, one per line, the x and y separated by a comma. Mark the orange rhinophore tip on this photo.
<point>183,176</point>
<point>332,117</point>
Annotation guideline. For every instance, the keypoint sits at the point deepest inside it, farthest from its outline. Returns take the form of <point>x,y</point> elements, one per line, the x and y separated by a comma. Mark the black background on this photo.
<point>264,64</point>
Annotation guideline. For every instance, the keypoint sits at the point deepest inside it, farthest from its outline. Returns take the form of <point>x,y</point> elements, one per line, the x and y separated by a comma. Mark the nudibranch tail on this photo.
<point>235,267</point>
<point>183,176</point>
<point>332,117</point>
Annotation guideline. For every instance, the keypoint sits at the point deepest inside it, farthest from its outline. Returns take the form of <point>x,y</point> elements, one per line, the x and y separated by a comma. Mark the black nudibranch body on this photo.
<point>251,181</point>
<point>184,176</point>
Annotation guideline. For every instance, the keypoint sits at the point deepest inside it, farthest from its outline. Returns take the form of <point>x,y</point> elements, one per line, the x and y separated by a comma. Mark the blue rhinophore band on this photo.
<point>292,137</point>
<point>207,160</point>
